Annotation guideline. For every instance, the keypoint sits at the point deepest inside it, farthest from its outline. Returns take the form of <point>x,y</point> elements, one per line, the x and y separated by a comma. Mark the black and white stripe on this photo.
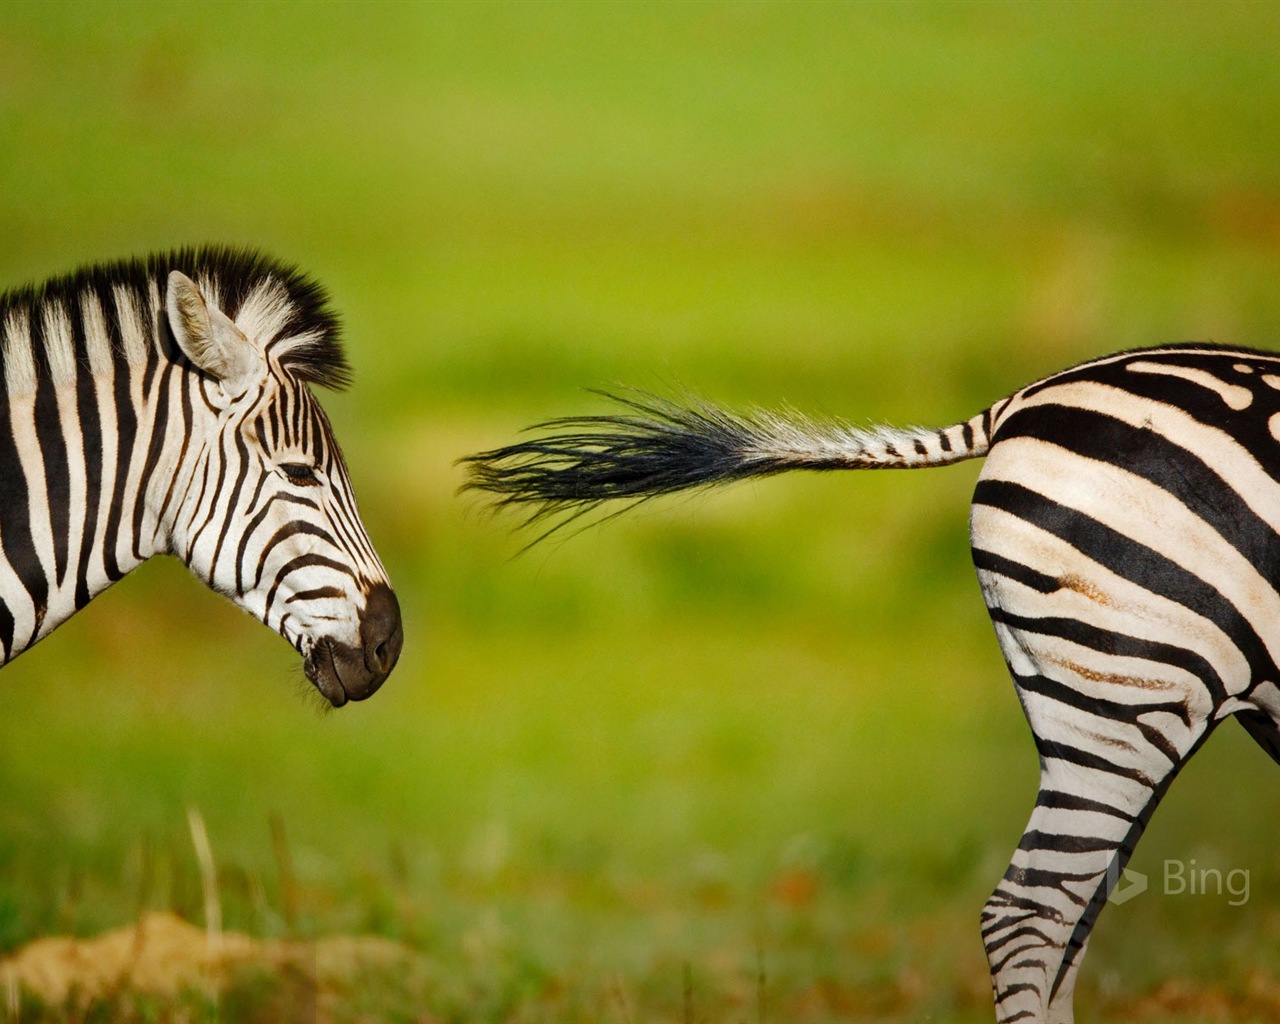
<point>162,406</point>
<point>1126,534</point>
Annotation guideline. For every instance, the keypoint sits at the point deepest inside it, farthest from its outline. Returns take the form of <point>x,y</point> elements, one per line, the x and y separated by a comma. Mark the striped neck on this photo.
<point>86,455</point>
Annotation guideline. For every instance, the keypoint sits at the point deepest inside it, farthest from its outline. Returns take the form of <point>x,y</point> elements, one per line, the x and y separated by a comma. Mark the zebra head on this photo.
<point>264,510</point>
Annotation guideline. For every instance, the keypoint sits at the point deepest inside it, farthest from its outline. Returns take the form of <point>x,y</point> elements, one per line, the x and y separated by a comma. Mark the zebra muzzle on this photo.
<point>343,672</point>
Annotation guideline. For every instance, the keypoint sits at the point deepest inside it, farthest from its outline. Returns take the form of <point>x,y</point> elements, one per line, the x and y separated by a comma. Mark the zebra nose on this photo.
<point>381,631</point>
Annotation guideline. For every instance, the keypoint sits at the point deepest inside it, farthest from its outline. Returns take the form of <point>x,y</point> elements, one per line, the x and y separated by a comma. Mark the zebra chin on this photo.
<point>344,672</point>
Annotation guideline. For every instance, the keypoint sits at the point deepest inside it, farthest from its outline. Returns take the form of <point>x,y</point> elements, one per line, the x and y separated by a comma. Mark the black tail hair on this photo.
<point>661,447</point>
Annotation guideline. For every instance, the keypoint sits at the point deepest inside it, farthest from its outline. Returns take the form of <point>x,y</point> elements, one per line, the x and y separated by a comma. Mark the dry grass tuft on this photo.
<point>163,956</point>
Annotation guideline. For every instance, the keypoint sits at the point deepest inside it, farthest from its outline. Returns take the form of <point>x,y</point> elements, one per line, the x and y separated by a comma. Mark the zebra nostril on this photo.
<point>381,630</point>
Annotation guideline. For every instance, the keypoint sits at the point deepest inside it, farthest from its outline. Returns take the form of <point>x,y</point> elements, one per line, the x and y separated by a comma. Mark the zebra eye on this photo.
<point>299,472</point>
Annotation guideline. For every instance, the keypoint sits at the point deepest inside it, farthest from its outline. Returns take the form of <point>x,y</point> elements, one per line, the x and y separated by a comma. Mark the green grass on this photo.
<point>766,731</point>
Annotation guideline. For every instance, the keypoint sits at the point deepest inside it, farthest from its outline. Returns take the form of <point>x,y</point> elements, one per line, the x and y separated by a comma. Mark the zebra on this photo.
<point>162,406</point>
<point>1125,531</point>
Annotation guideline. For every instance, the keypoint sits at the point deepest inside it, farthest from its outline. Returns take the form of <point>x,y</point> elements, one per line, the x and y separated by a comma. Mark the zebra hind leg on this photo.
<point>1104,768</point>
<point>1264,729</point>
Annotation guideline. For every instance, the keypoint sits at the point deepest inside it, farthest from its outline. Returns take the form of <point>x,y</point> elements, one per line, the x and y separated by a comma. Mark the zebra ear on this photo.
<point>210,339</point>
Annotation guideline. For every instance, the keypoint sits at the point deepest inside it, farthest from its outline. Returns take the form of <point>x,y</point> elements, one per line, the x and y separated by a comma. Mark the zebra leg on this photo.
<point>1264,729</point>
<point>1104,767</point>
<point>1123,660</point>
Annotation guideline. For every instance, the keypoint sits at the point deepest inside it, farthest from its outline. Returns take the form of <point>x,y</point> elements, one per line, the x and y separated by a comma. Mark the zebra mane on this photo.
<point>274,300</point>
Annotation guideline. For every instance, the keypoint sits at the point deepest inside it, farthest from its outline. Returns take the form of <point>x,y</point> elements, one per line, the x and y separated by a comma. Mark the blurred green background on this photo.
<point>747,756</point>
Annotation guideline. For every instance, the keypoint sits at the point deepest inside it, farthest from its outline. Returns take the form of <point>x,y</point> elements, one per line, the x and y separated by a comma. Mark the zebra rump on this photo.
<point>1125,529</point>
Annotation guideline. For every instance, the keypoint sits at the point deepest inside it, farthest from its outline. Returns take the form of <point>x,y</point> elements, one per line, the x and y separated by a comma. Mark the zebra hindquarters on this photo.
<point>1120,665</point>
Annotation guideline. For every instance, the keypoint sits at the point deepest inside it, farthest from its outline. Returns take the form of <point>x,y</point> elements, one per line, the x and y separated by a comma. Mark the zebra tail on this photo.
<point>656,446</point>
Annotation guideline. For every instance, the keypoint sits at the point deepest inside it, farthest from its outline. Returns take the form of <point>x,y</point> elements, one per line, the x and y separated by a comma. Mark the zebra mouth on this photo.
<point>319,667</point>
<point>344,672</point>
